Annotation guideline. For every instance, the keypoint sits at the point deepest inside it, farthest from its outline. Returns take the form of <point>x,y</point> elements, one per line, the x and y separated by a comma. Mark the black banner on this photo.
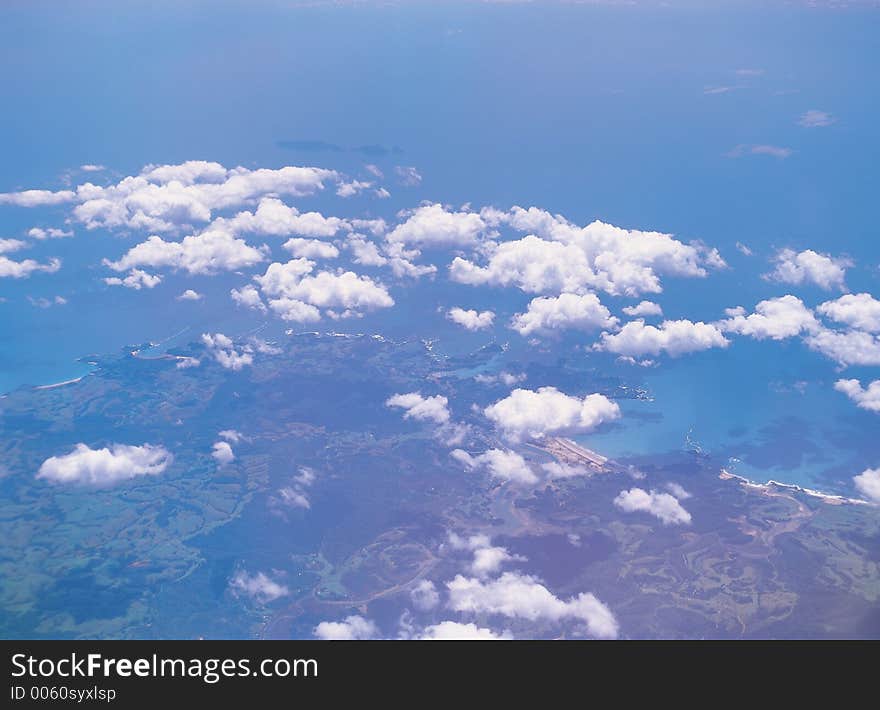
<point>125,674</point>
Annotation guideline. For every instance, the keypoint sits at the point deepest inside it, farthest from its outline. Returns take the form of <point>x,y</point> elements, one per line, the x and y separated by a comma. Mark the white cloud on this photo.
<point>408,176</point>
<point>107,466</point>
<point>351,628</point>
<point>677,490</point>
<point>171,197</point>
<point>36,198</point>
<point>774,151</point>
<point>190,295</point>
<point>865,398</point>
<point>567,311</point>
<point>8,246</point>
<point>249,297</point>
<point>558,257</point>
<point>421,408</point>
<point>520,596</point>
<point>185,363</point>
<point>23,269</point>
<point>506,378</point>
<point>91,168</point>
<point>311,248</point>
<point>809,267</point>
<point>350,189</point>
<point>365,253</point>
<point>224,352</point>
<point>675,337</point>
<point>295,294</point>
<point>860,311</point>
<point>643,309</point>
<point>868,484</point>
<point>222,453</point>
<point>258,586</point>
<point>48,233</point>
<point>555,469</point>
<point>547,411</point>
<point>230,435</point>
<point>502,464</point>
<point>205,253</point>
<point>471,319</point>
<point>274,218</point>
<point>775,318</point>
<point>487,558</point>
<point>848,348</point>
<point>424,595</point>
<point>136,279</point>
<point>433,226</point>
<point>457,631</point>
<point>661,505</point>
<point>816,119</point>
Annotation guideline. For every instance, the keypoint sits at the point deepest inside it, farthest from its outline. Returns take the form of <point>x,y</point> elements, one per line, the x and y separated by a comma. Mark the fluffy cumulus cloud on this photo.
<point>415,406</point>
<point>809,267</point>
<point>249,297</point>
<point>274,218</point>
<point>557,256</point>
<point>206,253</point>
<point>432,225</point>
<point>857,310</point>
<point>190,295</point>
<point>864,397</point>
<point>297,294</point>
<point>846,348</point>
<point>167,198</point>
<point>471,319</point>
<point>868,484</point>
<point>457,631</point>
<point>519,596</point>
<point>661,505</point>
<point>351,628</point>
<point>222,453</point>
<point>533,414</point>
<point>225,353</point>
<point>259,587</point>
<point>106,466</point>
<point>502,464</point>
<point>643,309</point>
<point>136,279</point>
<point>487,558</point>
<point>424,595</point>
<point>775,318</point>
<point>567,311</point>
<point>673,337</point>
<point>311,248</point>
<point>9,268</point>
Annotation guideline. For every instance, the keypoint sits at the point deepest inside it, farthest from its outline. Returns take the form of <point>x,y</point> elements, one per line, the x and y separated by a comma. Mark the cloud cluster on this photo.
<point>136,279</point>
<point>10,268</point>
<point>661,505</point>
<point>259,587</point>
<point>774,318</point>
<point>352,628</point>
<point>225,353</point>
<point>296,294</point>
<point>457,631</point>
<point>868,484</point>
<point>673,337</point>
<point>471,319</point>
<point>567,311</point>
<point>106,466</point>
<point>864,397</point>
<point>415,406</point>
<point>558,257</point>
<point>520,596</point>
<point>809,267</point>
<point>529,414</point>
<point>502,464</point>
<point>859,310</point>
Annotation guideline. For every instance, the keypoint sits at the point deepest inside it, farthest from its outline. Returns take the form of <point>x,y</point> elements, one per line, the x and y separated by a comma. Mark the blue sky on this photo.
<point>740,123</point>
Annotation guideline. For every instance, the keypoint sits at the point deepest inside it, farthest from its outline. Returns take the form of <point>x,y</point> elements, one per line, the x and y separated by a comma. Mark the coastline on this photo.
<point>830,498</point>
